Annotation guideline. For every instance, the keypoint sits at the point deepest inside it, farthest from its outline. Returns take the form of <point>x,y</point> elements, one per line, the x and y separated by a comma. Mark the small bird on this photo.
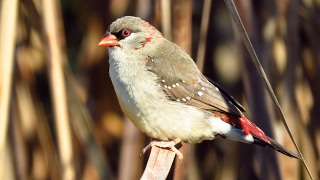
<point>162,91</point>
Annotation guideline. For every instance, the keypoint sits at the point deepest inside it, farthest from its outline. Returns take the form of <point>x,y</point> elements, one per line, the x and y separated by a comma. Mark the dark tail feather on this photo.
<point>276,146</point>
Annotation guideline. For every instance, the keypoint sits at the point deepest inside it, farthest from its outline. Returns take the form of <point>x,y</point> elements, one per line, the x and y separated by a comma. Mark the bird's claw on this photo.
<point>165,144</point>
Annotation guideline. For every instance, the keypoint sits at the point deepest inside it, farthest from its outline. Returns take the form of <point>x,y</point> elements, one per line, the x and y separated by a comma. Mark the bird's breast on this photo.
<point>138,94</point>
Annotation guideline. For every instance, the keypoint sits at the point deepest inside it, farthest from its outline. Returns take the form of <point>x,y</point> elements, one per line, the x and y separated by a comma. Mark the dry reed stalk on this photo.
<point>289,18</point>
<point>52,29</point>
<point>268,167</point>
<point>166,19</point>
<point>82,124</point>
<point>203,34</point>
<point>182,33</point>
<point>130,164</point>
<point>8,23</point>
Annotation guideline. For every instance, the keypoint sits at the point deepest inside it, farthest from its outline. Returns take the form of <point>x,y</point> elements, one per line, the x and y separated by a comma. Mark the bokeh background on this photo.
<point>60,119</point>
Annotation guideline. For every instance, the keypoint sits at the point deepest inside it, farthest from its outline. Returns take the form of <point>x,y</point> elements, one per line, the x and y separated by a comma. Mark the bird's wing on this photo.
<point>182,81</point>
<point>224,92</point>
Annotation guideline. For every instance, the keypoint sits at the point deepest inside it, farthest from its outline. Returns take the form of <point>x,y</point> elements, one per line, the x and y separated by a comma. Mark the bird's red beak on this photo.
<point>109,40</point>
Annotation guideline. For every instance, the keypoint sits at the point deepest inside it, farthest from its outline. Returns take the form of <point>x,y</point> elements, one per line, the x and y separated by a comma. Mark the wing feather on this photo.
<point>182,81</point>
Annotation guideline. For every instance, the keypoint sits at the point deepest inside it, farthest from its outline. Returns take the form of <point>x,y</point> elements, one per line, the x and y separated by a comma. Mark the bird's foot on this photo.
<point>165,144</point>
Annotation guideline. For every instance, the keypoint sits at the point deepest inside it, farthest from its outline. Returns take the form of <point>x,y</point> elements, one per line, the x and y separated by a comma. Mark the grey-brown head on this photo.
<point>130,33</point>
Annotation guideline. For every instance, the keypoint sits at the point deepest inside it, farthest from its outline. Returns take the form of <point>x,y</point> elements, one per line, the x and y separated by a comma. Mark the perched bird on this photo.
<point>164,94</point>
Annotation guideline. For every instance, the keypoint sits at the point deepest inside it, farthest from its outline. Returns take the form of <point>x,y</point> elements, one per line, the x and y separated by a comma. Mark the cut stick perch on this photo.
<point>159,163</point>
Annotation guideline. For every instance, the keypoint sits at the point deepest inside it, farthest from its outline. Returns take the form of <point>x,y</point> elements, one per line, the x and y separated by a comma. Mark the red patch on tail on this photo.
<point>249,126</point>
<point>244,124</point>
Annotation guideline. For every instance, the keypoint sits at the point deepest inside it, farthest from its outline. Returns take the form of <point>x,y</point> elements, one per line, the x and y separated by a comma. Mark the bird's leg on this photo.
<point>165,144</point>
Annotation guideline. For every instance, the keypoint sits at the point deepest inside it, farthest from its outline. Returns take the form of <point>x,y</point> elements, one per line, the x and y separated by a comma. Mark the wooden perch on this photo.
<point>159,163</point>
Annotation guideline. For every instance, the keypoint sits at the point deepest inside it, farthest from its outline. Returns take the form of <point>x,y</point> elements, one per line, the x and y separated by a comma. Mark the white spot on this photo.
<point>188,98</point>
<point>165,86</point>
<point>183,81</point>
<point>173,85</point>
<point>229,131</point>
<point>200,93</point>
<point>177,84</point>
<point>163,80</point>
<point>169,87</point>
<point>217,88</point>
<point>203,88</point>
<point>178,100</point>
<point>248,138</point>
<point>183,99</point>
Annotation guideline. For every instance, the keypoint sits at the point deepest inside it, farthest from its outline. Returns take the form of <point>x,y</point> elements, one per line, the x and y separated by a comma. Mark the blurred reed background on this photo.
<point>59,116</point>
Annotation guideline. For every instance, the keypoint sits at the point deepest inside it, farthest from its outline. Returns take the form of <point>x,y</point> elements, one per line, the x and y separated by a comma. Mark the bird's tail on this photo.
<point>247,132</point>
<point>261,139</point>
<point>275,145</point>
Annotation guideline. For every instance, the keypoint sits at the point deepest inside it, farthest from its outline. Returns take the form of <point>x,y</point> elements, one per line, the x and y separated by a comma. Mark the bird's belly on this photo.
<point>162,119</point>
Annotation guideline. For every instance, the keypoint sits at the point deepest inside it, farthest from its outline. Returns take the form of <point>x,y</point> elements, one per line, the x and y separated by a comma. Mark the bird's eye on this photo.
<point>126,32</point>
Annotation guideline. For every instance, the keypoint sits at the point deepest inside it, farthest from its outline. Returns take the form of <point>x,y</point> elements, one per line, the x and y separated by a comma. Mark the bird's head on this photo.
<point>130,33</point>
